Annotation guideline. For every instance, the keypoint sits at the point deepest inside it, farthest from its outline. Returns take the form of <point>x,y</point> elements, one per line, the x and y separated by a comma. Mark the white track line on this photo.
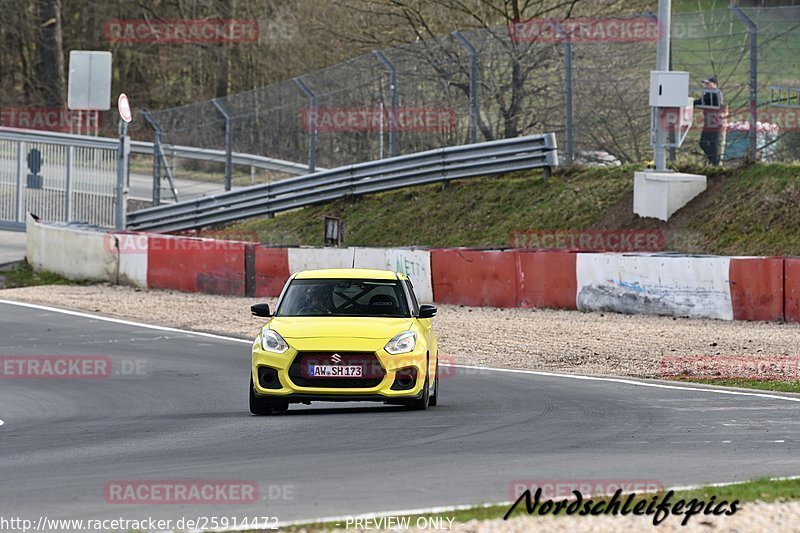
<point>629,382</point>
<point>429,510</point>
<point>125,322</point>
<point>468,367</point>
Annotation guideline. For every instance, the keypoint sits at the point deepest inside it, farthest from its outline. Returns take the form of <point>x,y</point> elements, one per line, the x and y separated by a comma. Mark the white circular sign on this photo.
<point>124,107</point>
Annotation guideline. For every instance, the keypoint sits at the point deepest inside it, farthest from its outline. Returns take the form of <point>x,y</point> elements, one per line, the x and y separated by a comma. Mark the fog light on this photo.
<point>405,378</point>
<point>268,378</point>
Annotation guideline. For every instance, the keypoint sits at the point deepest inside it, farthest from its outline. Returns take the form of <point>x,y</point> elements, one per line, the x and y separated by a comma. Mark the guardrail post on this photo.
<point>567,89</point>
<point>473,86</point>
<point>392,70</point>
<point>228,142</point>
<point>68,186</point>
<point>551,149</point>
<point>752,31</point>
<point>20,167</point>
<point>122,171</point>
<point>312,134</point>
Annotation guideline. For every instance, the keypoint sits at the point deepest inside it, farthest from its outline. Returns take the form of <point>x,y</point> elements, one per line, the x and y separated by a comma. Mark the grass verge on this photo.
<point>745,211</point>
<point>24,276</point>
<point>765,490</point>
<point>760,384</point>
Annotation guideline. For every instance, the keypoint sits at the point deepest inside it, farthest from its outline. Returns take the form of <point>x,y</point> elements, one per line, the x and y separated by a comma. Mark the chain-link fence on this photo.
<point>588,83</point>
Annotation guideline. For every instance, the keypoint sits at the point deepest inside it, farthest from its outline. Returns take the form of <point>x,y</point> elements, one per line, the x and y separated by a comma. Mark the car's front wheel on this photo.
<point>258,405</point>
<point>434,398</point>
<point>424,401</point>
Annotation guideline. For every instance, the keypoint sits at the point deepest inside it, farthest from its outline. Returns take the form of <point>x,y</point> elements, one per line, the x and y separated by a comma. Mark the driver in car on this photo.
<point>319,300</point>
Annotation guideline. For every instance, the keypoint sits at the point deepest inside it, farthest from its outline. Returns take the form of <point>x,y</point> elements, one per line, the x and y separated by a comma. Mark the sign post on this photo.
<point>124,108</point>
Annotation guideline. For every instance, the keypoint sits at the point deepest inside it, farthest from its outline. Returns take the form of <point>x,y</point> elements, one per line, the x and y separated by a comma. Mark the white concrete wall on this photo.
<point>132,258</point>
<point>76,254</point>
<point>416,264</point>
<point>315,258</point>
<point>655,284</point>
<point>80,254</point>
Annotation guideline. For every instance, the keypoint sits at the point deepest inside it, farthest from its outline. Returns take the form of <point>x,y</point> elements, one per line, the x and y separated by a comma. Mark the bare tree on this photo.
<point>51,54</point>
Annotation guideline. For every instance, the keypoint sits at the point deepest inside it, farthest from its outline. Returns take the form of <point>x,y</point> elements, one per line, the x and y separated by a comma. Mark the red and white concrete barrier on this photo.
<point>727,288</point>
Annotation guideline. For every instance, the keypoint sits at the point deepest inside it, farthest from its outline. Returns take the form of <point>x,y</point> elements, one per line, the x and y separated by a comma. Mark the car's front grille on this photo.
<point>372,371</point>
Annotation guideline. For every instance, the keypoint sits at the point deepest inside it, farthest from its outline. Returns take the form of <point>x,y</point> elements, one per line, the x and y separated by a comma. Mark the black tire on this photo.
<point>433,401</point>
<point>280,407</point>
<point>424,401</point>
<point>258,406</point>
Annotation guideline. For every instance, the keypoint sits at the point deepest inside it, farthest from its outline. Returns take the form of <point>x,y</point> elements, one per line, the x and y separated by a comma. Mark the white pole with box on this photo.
<point>658,193</point>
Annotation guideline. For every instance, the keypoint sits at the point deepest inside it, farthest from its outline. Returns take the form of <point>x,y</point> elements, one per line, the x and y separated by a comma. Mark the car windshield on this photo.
<point>343,297</point>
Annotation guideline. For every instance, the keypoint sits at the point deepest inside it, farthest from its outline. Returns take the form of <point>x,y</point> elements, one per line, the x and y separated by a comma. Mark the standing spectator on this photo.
<point>713,119</point>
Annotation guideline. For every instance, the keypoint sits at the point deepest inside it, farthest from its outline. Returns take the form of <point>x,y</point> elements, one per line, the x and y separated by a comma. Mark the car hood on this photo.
<point>338,327</point>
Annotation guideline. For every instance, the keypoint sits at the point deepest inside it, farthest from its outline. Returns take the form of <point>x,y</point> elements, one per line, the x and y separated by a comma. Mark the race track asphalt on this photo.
<point>184,415</point>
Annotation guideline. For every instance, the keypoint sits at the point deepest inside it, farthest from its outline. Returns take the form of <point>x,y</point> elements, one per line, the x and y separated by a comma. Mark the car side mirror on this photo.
<point>260,310</point>
<point>427,311</point>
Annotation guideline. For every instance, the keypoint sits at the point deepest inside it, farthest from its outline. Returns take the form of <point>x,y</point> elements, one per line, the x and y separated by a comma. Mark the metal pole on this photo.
<point>228,142</point>
<point>672,128</point>
<point>156,157</point>
<point>312,134</point>
<point>122,171</point>
<point>20,167</point>
<point>752,31</point>
<point>567,89</point>
<point>662,63</point>
<point>473,86</point>
<point>392,70</point>
<point>68,186</point>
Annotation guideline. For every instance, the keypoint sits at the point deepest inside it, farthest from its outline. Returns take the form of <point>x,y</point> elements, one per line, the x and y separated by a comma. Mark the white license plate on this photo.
<point>335,371</point>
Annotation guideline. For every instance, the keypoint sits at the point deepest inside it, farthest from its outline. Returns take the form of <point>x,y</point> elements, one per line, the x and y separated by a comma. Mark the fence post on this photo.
<point>20,166</point>
<point>159,159</point>
<point>68,186</point>
<point>473,86</point>
<point>228,142</point>
<point>752,31</point>
<point>312,134</point>
<point>122,175</point>
<point>156,159</point>
<point>392,70</point>
<point>567,90</point>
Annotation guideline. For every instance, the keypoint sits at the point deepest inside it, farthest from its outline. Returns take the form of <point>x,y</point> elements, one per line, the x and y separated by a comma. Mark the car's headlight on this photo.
<point>403,342</point>
<point>271,341</point>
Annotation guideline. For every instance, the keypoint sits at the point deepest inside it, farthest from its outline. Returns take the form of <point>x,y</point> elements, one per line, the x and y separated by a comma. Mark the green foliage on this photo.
<point>746,211</point>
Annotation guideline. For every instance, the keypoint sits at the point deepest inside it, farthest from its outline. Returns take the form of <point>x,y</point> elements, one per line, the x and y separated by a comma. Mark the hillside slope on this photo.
<point>745,211</point>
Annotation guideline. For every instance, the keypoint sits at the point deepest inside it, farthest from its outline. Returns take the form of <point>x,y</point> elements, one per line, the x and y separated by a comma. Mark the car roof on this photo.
<point>349,273</point>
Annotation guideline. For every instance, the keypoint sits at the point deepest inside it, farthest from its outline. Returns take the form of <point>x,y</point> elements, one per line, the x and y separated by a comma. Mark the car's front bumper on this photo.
<point>289,390</point>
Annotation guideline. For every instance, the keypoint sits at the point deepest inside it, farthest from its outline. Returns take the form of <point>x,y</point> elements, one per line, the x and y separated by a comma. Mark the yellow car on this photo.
<point>345,335</point>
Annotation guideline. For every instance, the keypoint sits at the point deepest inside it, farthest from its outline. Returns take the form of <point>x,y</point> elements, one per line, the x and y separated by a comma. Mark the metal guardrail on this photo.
<point>439,165</point>
<point>146,148</point>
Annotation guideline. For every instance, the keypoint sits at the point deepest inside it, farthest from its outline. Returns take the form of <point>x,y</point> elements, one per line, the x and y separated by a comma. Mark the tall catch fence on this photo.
<point>586,80</point>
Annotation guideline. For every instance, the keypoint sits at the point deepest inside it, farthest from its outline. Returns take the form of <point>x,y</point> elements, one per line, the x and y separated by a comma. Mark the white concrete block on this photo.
<point>660,194</point>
